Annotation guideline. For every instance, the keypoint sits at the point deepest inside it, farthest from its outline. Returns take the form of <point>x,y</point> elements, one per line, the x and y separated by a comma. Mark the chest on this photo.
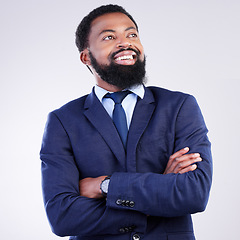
<point>94,155</point>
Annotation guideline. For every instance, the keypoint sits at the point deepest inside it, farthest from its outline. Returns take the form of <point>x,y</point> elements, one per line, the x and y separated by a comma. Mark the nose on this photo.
<point>124,43</point>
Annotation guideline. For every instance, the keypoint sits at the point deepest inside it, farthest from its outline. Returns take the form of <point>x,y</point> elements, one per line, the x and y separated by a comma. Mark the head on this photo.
<point>109,44</point>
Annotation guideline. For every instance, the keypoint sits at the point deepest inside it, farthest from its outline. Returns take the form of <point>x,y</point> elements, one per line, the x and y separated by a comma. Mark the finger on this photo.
<point>175,165</point>
<point>189,169</point>
<point>186,163</point>
<point>179,153</point>
<point>171,165</point>
<point>186,157</point>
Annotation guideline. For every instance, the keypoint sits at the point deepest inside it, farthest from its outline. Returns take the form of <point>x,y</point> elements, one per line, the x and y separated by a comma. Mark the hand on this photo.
<point>90,187</point>
<point>180,162</point>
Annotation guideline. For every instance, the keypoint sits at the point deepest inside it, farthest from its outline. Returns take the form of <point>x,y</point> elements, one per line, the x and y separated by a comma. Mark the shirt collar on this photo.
<point>137,89</point>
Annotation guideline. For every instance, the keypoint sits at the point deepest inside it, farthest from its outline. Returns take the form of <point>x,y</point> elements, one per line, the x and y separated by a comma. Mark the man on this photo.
<point>140,180</point>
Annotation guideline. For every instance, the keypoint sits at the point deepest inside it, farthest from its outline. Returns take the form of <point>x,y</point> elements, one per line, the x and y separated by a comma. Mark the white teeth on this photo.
<point>127,57</point>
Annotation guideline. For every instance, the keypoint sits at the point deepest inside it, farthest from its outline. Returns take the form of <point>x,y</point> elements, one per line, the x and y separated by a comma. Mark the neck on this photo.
<point>107,86</point>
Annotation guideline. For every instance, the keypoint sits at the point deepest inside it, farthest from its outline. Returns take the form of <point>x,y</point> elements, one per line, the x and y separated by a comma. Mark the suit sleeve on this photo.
<point>69,213</point>
<point>170,195</point>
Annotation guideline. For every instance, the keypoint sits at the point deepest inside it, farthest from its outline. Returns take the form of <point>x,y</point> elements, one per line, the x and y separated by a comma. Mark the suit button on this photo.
<point>122,230</point>
<point>127,203</point>
<point>131,204</point>
<point>136,237</point>
<point>131,228</point>
<point>123,203</point>
<point>119,202</point>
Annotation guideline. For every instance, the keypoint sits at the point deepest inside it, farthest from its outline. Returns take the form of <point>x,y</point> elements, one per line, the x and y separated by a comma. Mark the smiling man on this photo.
<point>114,51</point>
<point>126,161</point>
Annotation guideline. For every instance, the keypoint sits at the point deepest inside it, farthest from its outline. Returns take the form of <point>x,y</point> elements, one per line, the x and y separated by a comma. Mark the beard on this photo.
<point>121,76</point>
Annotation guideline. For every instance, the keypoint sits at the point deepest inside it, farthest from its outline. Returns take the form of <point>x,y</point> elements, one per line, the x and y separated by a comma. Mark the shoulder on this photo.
<point>172,100</point>
<point>72,108</point>
<point>162,94</point>
<point>158,91</point>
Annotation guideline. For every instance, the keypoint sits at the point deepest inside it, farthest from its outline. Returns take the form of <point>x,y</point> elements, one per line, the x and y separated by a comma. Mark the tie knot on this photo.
<point>117,97</point>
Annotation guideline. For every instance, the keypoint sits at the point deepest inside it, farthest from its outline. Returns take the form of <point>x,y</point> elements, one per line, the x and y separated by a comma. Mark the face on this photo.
<point>114,43</point>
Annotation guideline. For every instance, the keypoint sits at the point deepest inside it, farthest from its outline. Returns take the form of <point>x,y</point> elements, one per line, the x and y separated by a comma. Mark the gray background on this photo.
<point>191,46</point>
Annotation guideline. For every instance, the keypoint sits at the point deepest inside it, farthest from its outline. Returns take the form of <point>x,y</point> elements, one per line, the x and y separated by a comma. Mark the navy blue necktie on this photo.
<point>119,116</point>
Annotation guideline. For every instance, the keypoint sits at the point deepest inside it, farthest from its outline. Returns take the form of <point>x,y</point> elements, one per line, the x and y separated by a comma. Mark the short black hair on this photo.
<point>84,27</point>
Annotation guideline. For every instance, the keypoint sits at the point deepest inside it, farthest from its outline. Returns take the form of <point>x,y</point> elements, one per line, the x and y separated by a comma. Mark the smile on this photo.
<point>126,57</point>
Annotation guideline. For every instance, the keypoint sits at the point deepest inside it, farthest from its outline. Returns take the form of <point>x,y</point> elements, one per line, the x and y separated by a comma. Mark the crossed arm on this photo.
<point>89,214</point>
<point>179,162</point>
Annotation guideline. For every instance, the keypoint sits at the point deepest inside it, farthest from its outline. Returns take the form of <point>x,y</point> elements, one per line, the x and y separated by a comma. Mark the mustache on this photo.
<point>125,49</point>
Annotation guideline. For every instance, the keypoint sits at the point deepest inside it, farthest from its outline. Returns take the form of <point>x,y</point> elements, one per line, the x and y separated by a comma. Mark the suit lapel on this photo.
<point>100,119</point>
<point>141,117</point>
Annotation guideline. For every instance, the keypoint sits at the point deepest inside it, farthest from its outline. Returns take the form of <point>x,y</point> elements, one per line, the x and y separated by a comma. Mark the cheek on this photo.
<point>140,48</point>
<point>102,54</point>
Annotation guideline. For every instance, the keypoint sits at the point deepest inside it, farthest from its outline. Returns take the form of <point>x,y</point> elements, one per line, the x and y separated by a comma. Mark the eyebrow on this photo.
<point>111,30</point>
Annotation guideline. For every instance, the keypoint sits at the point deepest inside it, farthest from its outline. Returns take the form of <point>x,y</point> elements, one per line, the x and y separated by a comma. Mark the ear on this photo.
<point>84,57</point>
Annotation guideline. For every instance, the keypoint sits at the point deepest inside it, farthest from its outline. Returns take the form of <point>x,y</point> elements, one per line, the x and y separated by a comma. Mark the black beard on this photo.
<point>121,76</point>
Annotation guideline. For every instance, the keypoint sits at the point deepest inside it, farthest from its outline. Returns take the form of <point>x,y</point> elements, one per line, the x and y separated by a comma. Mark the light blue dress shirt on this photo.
<point>128,102</point>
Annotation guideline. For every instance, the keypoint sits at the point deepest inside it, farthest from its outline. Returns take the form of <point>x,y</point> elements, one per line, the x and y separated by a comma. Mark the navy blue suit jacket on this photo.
<point>80,141</point>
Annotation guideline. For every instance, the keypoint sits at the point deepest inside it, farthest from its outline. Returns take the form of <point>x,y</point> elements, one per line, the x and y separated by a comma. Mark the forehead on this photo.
<point>111,21</point>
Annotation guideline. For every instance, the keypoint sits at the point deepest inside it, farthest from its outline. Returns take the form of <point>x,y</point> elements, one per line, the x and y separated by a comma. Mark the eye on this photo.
<point>133,35</point>
<point>109,37</point>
